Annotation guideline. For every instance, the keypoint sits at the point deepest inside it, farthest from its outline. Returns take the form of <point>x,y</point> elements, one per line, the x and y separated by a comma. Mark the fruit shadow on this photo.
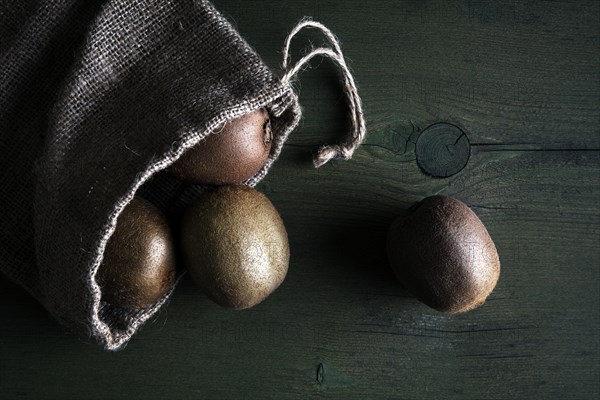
<point>361,250</point>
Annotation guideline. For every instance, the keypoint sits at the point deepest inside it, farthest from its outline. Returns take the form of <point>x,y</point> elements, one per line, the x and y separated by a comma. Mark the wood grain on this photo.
<point>522,80</point>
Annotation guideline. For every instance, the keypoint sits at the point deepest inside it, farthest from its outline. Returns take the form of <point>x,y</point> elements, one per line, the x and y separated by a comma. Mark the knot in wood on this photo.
<point>442,150</point>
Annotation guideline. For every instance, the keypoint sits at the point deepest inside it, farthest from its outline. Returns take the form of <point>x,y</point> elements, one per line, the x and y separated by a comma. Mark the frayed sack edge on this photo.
<point>285,113</point>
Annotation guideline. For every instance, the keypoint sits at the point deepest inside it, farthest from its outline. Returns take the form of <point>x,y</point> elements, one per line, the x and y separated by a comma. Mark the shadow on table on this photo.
<point>13,298</point>
<point>362,251</point>
<point>24,322</point>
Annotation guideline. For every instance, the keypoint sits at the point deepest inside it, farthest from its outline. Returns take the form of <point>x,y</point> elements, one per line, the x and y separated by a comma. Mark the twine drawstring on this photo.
<point>359,130</point>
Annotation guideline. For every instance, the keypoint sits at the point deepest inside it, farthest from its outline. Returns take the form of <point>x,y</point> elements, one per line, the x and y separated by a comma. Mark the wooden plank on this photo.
<point>521,80</point>
<point>512,72</point>
<point>341,307</point>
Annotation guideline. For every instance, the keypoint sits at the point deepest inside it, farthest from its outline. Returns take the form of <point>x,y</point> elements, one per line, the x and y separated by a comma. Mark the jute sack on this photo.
<point>96,98</point>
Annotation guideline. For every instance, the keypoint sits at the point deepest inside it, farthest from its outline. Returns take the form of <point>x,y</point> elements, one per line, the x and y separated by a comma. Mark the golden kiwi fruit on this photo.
<point>139,264</point>
<point>443,254</point>
<point>231,155</point>
<point>235,246</point>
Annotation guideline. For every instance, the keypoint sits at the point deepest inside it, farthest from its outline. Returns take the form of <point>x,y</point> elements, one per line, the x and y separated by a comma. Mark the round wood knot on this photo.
<point>442,150</point>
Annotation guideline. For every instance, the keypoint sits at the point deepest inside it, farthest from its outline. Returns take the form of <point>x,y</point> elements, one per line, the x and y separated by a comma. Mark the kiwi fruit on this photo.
<point>235,246</point>
<point>138,268</point>
<point>443,254</point>
<point>231,155</point>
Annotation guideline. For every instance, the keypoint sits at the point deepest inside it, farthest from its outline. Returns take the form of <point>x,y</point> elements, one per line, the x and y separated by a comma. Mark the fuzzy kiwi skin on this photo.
<point>139,264</point>
<point>443,254</point>
<point>235,246</point>
<point>231,155</point>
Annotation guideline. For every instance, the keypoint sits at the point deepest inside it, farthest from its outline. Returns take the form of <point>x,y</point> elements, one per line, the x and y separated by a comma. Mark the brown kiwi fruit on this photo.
<point>235,246</point>
<point>231,155</point>
<point>443,254</point>
<point>139,265</point>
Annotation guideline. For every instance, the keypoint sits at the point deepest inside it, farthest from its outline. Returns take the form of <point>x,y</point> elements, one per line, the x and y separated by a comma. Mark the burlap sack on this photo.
<point>96,97</point>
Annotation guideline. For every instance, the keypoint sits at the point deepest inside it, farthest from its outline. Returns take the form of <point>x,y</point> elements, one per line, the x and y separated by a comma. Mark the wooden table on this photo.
<point>521,80</point>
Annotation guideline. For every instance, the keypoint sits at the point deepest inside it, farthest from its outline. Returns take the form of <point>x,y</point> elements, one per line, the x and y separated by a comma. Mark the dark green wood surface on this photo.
<point>522,80</point>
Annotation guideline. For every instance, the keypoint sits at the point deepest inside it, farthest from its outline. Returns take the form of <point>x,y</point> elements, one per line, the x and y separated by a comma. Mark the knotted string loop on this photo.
<point>359,130</point>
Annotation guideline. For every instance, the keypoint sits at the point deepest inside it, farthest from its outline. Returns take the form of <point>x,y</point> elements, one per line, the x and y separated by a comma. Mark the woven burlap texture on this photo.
<point>95,98</point>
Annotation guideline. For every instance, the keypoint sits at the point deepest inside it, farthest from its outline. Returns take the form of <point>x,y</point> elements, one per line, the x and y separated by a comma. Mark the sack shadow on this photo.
<point>24,321</point>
